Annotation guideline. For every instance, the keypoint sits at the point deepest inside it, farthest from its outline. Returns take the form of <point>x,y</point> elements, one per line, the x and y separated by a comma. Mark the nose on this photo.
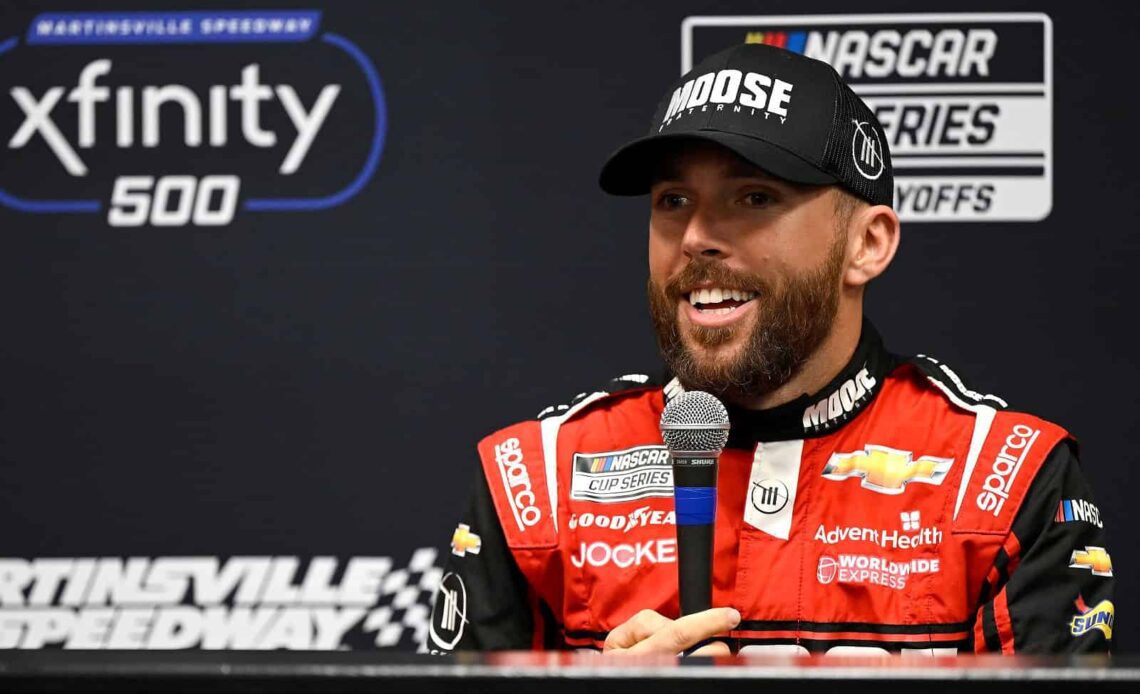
<point>701,237</point>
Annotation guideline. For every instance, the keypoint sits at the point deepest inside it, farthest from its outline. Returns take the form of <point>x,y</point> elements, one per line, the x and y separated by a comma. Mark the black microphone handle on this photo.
<point>694,489</point>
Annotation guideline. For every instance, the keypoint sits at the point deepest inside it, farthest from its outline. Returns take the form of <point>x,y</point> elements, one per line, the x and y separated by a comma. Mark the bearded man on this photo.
<point>865,501</point>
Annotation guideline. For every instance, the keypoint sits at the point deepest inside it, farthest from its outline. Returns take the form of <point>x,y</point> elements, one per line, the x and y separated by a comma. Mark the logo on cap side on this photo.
<point>867,150</point>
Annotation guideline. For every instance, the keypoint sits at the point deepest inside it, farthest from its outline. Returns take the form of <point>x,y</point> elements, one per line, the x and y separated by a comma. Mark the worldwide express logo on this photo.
<point>175,119</point>
<point>965,100</point>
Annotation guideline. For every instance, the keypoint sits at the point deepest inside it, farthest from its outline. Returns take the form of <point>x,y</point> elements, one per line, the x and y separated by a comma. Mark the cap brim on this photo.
<point>630,170</point>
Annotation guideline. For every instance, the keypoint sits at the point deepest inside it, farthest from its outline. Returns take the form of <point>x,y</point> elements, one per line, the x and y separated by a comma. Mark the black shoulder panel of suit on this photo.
<point>952,384</point>
<point>614,386</point>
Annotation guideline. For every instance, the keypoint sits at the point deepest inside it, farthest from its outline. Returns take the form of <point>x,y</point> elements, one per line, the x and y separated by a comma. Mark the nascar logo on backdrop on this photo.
<point>186,118</point>
<point>966,101</point>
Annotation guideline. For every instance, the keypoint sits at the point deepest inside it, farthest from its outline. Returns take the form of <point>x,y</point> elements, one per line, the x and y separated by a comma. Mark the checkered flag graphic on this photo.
<point>404,608</point>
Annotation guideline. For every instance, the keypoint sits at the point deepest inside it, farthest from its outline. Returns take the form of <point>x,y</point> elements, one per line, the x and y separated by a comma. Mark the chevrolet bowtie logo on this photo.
<point>464,541</point>
<point>886,470</point>
<point>1094,559</point>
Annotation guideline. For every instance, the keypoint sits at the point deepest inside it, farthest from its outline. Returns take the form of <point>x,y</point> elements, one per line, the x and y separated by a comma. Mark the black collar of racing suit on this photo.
<point>817,414</point>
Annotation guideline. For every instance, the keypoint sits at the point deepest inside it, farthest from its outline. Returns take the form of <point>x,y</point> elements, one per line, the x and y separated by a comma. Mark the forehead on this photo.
<point>678,160</point>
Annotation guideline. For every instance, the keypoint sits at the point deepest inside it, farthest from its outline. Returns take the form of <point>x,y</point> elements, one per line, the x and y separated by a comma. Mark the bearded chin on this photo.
<point>789,327</point>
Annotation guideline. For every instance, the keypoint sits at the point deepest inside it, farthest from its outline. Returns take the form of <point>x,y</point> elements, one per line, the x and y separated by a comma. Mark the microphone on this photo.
<point>694,426</point>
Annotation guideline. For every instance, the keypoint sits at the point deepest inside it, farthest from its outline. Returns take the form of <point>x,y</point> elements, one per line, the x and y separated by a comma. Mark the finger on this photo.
<point>690,630</point>
<point>635,630</point>
<point>713,649</point>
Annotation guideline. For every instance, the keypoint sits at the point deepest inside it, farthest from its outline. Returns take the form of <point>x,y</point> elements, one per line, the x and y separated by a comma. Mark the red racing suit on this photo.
<point>896,509</point>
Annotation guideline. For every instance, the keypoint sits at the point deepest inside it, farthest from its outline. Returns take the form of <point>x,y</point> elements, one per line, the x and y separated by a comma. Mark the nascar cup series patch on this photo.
<point>966,101</point>
<point>625,475</point>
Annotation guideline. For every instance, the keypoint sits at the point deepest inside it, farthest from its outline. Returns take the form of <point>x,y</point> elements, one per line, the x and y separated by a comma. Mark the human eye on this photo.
<point>757,198</point>
<point>669,200</point>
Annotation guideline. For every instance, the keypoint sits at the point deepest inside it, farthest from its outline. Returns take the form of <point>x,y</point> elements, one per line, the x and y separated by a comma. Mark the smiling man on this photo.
<point>866,501</point>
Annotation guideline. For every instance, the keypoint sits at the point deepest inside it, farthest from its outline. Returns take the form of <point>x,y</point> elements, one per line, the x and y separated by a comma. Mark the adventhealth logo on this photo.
<point>172,124</point>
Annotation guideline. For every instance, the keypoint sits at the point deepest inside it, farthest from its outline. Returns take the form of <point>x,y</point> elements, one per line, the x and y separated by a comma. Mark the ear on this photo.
<point>873,238</point>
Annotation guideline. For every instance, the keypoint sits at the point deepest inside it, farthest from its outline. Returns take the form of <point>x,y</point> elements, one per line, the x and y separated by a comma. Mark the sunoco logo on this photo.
<point>965,101</point>
<point>175,119</point>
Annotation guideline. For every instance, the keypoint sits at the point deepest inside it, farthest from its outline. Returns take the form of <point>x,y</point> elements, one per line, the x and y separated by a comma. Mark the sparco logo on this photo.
<point>751,93</point>
<point>965,101</point>
<point>197,131</point>
<point>516,483</point>
<point>842,401</point>
<point>1005,467</point>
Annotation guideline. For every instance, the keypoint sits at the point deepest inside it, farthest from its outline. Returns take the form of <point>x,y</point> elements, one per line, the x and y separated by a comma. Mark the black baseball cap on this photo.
<point>788,114</point>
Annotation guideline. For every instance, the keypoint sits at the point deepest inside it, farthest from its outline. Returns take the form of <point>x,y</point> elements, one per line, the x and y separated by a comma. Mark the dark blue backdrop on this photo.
<point>313,383</point>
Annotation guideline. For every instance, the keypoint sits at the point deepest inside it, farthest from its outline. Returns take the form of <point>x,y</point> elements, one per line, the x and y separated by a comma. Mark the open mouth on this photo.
<point>718,301</point>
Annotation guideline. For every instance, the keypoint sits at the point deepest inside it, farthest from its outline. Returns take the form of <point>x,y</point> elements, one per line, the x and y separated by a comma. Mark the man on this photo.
<point>865,501</point>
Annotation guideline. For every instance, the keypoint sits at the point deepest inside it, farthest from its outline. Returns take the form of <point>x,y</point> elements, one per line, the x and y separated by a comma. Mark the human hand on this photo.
<point>650,632</point>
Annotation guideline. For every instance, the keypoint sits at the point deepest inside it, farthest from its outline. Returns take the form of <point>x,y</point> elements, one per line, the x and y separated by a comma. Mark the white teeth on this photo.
<point>718,294</point>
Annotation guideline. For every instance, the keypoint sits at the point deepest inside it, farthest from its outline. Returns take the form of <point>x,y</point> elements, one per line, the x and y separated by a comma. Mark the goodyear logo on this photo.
<point>1100,618</point>
<point>886,470</point>
<point>464,541</point>
<point>964,99</point>
<point>1094,559</point>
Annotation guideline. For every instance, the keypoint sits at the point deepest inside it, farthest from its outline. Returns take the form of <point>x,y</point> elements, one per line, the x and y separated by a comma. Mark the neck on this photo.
<point>824,364</point>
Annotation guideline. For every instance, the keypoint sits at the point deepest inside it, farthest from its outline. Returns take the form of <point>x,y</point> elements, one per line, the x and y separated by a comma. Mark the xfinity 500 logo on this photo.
<point>965,100</point>
<point>186,118</point>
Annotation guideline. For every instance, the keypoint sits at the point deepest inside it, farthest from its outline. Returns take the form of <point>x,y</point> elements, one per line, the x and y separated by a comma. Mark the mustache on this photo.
<point>715,272</point>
